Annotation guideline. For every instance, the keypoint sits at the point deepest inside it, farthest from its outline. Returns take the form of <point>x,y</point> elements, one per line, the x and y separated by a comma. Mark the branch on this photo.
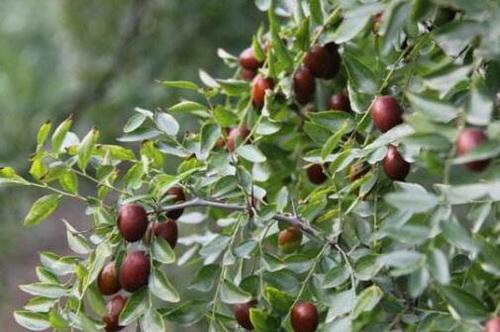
<point>287,218</point>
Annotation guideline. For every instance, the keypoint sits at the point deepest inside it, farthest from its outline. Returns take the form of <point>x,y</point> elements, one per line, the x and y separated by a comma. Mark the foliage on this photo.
<point>377,254</point>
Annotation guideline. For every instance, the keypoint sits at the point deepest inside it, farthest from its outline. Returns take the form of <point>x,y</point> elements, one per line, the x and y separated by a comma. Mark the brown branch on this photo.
<point>283,217</point>
<point>130,32</point>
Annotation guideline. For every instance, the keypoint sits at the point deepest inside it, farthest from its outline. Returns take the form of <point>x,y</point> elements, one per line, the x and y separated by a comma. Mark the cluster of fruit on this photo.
<point>134,225</point>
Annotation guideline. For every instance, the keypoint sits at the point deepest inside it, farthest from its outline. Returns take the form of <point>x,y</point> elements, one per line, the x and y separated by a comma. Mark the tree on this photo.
<point>359,218</point>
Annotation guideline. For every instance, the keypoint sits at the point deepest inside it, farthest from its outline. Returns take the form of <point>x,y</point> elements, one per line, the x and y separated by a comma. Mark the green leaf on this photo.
<point>133,177</point>
<point>251,153</point>
<point>480,105</point>
<point>134,122</point>
<point>411,197</point>
<point>367,300</point>
<point>167,123</point>
<point>60,134</point>
<point>465,304</point>
<point>114,152</point>
<point>316,11</point>
<point>262,321</point>
<point>32,321</point>
<point>40,304</point>
<point>224,117</point>
<point>44,289</point>
<point>135,307</point>
<point>152,321</point>
<point>333,141</point>
<point>181,85</point>
<point>335,277</point>
<point>350,27</point>
<point>333,120</point>
<point>162,252</point>
<point>69,181</point>
<point>207,79</point>
<point>434,109</point>
<point>360,76</point>
<point>284,58</point>
<point>42,209</point>
<point>455,36</point>
<point>161,287</point>
<point>8,176</point>
<point>206,278</point>
<point>280,301</point>
<point>395,18</point>
<point>187,106</point>
<point>43,133</point>
<point>86,147</point>
<point>96,300</point>
<point>232,294</point>
<point>438,266</point>
<point>77,242</point>
<point>210,133</point>
<point>234,87</point>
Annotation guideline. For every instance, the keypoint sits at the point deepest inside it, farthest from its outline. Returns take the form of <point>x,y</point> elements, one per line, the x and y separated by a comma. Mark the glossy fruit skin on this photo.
<point>468,140</point>
<point>304,317</point>
<point>260,85</point>
<point>249,61</point>
<point>134,271</point>
<point>247,74</point>
<point>315,174</point>
<point>304,85</point>
<point>108,282</point>
<point>241,312</point>
<point>289,239</point>
<point>323,61</point>
<point>113,309</point>
<point>492,325</point>
<point>177,195</point>
<point>236,136</point>
<point>339,102</point>
<point>167,230</point>
<point>386,113</point>
<point>395,166</point>
<point>132,222</point>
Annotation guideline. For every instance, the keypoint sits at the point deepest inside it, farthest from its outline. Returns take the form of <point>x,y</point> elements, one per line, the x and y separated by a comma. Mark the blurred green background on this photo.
<point>96,59</point>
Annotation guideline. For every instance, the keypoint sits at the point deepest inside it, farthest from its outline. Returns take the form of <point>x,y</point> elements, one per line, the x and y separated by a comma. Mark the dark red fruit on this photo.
<point>167,230</point>
<point>339,102</point>
<point>260,85</point>
<point>236,136</point>
<point>175,195</point>
<point>249,61</point>
<point>247,74</point>
<point>493,325</point>
<point>289,239</point>
<point>315,174</point>
<point>395,166</point>
<point>386,113</point>
<point>242,314</point>
<point>323,61</point>
<point>304,317</point>
<point>304,85</point>
<point>108,280</point>
<point>132,222</point>
<point>134,271</point>
<point>468,140</point>
<point>113,309</point>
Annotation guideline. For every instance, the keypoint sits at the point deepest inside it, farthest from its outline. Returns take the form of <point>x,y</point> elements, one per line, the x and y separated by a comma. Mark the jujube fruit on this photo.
<point>304,85</point>
<point>339,102</point>
<point>241,313</point>
<point>492,325</point>
<point>107,282</point>
<point>323,61</point>
<point>134,271</point>
<point>132,222</point>
<point>289,239</point>
<point>315,174</point>
<point>260,85</point>
<point>386,113</point>
<point>395,166</point>
<point>249,61</point>
<point>247,74</point>
<point>304,317</point>
<point>166,230</point>
<point>468,140</point>
<point>236,136</point>
<point>113,309</point>
<point>176,195</point>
